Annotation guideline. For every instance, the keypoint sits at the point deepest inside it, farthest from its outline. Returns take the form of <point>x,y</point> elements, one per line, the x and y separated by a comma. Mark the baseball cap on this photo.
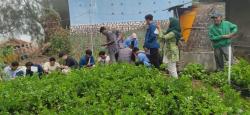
<point>216,14</point>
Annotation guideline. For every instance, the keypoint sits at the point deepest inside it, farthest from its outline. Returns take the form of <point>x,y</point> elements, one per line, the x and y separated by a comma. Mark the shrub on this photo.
<point>115,89</point>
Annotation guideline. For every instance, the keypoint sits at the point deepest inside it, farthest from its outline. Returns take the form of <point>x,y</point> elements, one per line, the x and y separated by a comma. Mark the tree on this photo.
<point>21,17</point>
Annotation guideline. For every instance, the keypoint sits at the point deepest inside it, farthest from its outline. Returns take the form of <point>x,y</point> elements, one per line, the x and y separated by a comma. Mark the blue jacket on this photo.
<point>83,61</point>
<point>39,70</point>
<point>143,59</point>
<point>151,37</point>
<point>128,42</point>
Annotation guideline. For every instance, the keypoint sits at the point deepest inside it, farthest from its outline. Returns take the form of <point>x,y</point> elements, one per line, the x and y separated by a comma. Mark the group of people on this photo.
<point>127,50</point>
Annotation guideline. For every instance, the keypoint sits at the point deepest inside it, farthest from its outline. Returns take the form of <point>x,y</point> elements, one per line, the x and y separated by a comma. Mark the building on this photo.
<point>85,12</point>
<point>238,12</point>
<point>62,7</point>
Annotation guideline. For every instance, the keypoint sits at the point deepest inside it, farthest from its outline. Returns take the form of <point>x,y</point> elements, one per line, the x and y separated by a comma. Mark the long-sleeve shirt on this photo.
<point>35,69</point>
<point>143,59</point>
<point>84,61</point>
<point>151,37</point>
<point>103,61</point>
<point>128,42</point>
<point>48,68</point>
<point>13,73</point>
<point>217,31</point>
<point>111,37</point>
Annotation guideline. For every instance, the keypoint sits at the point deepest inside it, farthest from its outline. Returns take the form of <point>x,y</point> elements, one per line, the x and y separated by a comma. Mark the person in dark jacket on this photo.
<point>68,61</point>
<point>87,60</point>
<point>33,68</point>
<point>151,42</point>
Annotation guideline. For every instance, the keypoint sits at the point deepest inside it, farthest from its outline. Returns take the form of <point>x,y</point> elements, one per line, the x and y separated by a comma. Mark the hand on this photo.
<point>227,36</point>
<point>158,26</point>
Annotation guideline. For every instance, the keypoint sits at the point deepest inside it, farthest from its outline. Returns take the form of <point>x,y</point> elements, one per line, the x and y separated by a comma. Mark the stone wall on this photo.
<point>199,49</point>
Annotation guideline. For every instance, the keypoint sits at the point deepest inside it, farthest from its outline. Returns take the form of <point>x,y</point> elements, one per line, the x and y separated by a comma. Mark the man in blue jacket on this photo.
<point>151,42</point>
<point>87,60</point>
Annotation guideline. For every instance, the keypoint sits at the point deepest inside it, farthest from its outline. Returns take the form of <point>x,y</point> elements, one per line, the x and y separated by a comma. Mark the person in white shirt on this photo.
<point>51,66</point>
<point>103,59</point>
<point>14,70</point>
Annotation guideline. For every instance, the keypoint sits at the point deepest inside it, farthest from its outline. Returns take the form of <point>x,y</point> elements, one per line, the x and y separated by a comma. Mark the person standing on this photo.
<point>151,42</point>
<point>120,39</point>
<point>110,44</point>
<point>169,40</point>
<point>221,34</point>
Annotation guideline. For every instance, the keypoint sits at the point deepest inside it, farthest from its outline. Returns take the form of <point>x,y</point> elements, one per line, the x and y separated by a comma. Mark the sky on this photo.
<point>102,11</point>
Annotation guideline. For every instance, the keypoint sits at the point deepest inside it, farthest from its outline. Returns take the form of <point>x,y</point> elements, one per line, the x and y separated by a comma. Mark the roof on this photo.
<point>13,42</point>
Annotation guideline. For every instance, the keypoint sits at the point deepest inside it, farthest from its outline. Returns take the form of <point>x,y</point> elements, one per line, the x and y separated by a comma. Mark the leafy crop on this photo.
<point>115,89</point>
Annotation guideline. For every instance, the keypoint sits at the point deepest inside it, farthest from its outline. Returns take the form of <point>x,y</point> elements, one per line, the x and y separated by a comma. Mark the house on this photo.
<point>21,49</point>
<point>238,13</point>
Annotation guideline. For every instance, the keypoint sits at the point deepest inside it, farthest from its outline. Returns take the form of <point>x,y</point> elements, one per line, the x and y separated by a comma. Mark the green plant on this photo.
<point>60,41</point>
<point>195,71</point>
<point>115,89</point>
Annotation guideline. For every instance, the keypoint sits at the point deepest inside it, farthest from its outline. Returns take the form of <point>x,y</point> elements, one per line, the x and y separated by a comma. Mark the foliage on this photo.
<point>60,41</point>
<point>50,23</point>
<point>233,101</point>
<point>5,52</point>
<point>195,71</point>
<point>231,98</point>
<point>241,74</point>
<point>128,90</point>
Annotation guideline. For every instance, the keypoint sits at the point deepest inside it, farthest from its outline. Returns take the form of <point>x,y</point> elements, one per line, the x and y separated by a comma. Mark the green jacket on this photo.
<point>216,33</point>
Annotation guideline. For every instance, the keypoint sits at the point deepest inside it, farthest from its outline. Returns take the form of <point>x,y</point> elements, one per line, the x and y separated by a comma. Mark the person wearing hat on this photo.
<point>132,41</point>
<point>221,33</point>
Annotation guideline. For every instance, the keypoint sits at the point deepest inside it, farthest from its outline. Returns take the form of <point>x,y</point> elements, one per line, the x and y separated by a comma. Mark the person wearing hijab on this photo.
<point>170,40</point>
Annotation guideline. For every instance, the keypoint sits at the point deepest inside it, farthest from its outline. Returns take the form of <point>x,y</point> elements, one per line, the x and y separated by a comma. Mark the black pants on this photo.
<point>155,57</point>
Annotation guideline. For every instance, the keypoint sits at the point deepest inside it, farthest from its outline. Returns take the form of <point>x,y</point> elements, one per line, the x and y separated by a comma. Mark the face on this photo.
<point>52,63</point>
<point>88,56</point>
<point>104,31</point>
<point>103,56</point>
<point>65,57</point>
<point>28,67</point>
<point>217,20</point>
<point>147,22</point>
<point>13,68</point>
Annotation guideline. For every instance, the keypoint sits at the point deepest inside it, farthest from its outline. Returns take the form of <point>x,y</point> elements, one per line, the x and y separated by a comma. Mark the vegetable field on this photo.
<point>127,89</point>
